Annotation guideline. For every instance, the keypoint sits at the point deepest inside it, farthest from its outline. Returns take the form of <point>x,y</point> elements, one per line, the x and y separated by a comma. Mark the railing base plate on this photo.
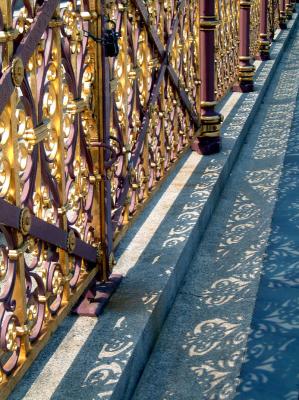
<point>206,146</point>
<point>93,302</point>
<point>243,87</point>
<point>263,57</point>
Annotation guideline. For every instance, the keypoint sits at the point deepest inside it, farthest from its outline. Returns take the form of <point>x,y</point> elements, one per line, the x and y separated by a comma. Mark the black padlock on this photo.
<point>110,40</point>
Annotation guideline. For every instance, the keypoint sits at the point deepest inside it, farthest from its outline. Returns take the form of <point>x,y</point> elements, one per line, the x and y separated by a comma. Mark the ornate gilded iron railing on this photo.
<point>86,138</point>
<point>255,27</point>
<point>227,45</point>
<point>153,106</point>
<point>273,17</point>
<point>227,41</point>
<point>49,197</point>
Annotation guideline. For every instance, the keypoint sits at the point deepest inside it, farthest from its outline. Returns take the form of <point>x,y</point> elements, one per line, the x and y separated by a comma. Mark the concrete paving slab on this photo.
<point>271,368</point>
<point>187,353</point>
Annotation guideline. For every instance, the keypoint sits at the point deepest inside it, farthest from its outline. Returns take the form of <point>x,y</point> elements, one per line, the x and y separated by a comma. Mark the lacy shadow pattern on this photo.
<point>271,369</point>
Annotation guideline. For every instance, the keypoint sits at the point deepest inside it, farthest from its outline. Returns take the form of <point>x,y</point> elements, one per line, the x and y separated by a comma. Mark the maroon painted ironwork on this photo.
<point>208,142</point>
<point>246,69</point>
<point>282,14</point>
<point>264,48</point>
<point>97,297</point>
<point>151,101</point>
<point>289,9</point>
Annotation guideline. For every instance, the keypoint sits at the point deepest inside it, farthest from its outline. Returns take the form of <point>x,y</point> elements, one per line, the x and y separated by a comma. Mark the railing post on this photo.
<point>289,9</point>
<point>246,69</point>
<point>282,15</point>
<point>294,5</point>
<point>208,141</point>
<point>264,50</point>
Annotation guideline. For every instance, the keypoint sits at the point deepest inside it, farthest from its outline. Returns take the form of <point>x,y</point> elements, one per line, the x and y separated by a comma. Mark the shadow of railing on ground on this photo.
<point>273,347</point>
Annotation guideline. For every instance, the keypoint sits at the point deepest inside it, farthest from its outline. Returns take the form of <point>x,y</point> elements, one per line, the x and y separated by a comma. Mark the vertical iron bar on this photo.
<point>282,15</point>
<point>264,48</point>
<point>99,216</point>
<point>10,152</point>
<point>289,9</point>
<point>246,69</point>
<point>57,124</point>
<point>208,141</point>
<point>106,96</point>
<point>293,2</point>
